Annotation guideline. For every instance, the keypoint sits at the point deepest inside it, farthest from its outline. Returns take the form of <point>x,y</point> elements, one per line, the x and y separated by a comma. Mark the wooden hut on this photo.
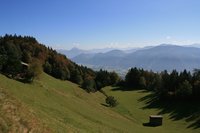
<point>155,120</point>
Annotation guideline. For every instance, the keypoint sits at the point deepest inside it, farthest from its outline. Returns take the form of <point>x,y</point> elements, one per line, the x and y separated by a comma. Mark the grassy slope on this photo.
<point>15,117</point>
<point>136,105</point>
<point>64,107</point>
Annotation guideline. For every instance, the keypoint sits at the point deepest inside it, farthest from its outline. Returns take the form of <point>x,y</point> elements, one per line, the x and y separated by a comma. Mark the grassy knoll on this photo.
<point>61,106</point>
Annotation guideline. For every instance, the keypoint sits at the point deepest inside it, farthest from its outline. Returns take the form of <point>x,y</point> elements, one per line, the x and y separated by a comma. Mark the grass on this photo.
<point>64,107</point>
<point>16,117</point>
<point>137,105</point>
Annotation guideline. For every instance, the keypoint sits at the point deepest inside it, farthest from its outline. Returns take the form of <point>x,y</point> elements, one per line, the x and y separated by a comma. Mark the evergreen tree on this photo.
<point>133,77</point>
<point>114,78</point>
<point>184,90</point>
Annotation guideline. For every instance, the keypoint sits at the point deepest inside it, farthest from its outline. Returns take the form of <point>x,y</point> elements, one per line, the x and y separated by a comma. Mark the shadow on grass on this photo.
<point>105,105</point>
<point>187,110</point>
<point>22,80</point>
<point>149,125</point>
<point>121,88</point>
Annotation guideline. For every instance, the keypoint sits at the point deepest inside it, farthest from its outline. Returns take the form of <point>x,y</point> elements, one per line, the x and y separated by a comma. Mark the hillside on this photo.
<point>137,105</point>
<point>24,58</point>
<point>17,117</point>
<point>15,51</point>
<point>64,107</point>
<point>61,106</point>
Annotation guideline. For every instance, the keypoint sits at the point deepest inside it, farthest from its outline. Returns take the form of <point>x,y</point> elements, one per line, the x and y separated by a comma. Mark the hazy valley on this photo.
<point>156,58</point>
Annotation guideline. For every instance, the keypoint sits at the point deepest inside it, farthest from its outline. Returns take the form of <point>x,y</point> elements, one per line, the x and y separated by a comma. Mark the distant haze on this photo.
<point>156,58</point>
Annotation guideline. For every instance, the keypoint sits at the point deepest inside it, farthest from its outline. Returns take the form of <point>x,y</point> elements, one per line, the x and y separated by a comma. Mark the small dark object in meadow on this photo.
<point>155,120</point>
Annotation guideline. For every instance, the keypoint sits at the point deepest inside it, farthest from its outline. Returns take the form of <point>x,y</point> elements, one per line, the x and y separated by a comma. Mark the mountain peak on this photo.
<point>74,48</point>
<point>165,44</point>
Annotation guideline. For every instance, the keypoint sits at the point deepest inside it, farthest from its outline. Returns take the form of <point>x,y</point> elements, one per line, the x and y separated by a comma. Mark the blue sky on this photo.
<point>92,24</point>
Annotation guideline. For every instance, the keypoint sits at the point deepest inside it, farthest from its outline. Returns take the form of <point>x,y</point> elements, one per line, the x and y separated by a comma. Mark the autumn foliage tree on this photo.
<point>18,50</point>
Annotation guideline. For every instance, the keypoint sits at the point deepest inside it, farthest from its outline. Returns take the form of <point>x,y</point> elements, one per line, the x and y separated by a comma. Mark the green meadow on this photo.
<point>61,106</point>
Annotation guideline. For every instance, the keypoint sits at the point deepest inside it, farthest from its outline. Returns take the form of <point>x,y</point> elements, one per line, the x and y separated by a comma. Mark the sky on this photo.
<point>89,24</point>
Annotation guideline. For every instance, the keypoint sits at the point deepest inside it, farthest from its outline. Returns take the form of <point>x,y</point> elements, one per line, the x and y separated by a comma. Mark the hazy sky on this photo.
<point>103,23</point>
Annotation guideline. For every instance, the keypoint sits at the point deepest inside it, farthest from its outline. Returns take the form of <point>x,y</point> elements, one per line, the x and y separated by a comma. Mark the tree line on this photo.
<point>166,85</point>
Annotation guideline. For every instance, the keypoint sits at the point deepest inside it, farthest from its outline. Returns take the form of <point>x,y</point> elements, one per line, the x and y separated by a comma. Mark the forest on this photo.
<point>24,58</point>
<point>166,85</point>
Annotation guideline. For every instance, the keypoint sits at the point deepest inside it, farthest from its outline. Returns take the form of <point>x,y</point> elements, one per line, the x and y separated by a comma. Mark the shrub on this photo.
<point>111,101</point>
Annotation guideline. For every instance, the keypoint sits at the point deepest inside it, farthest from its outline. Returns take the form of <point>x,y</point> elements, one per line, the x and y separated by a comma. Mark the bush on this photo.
<point>111,101</point>
<point>34,71</point>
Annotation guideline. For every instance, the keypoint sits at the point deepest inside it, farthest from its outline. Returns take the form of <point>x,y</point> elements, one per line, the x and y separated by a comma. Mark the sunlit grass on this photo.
<point>64,107</point>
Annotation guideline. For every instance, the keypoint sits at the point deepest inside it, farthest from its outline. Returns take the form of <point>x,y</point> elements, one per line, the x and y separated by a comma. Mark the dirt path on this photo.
<point>17,118</point>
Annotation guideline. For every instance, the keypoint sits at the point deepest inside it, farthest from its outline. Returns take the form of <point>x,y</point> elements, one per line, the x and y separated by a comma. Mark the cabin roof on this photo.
<point>156,116</point>
<point>25,64</point>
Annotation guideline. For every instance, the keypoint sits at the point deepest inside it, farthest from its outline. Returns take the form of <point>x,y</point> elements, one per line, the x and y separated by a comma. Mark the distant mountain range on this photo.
<point>156,58</point>
<point>72,53</point>
<point>76,51</point>
<point>196,45</point>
